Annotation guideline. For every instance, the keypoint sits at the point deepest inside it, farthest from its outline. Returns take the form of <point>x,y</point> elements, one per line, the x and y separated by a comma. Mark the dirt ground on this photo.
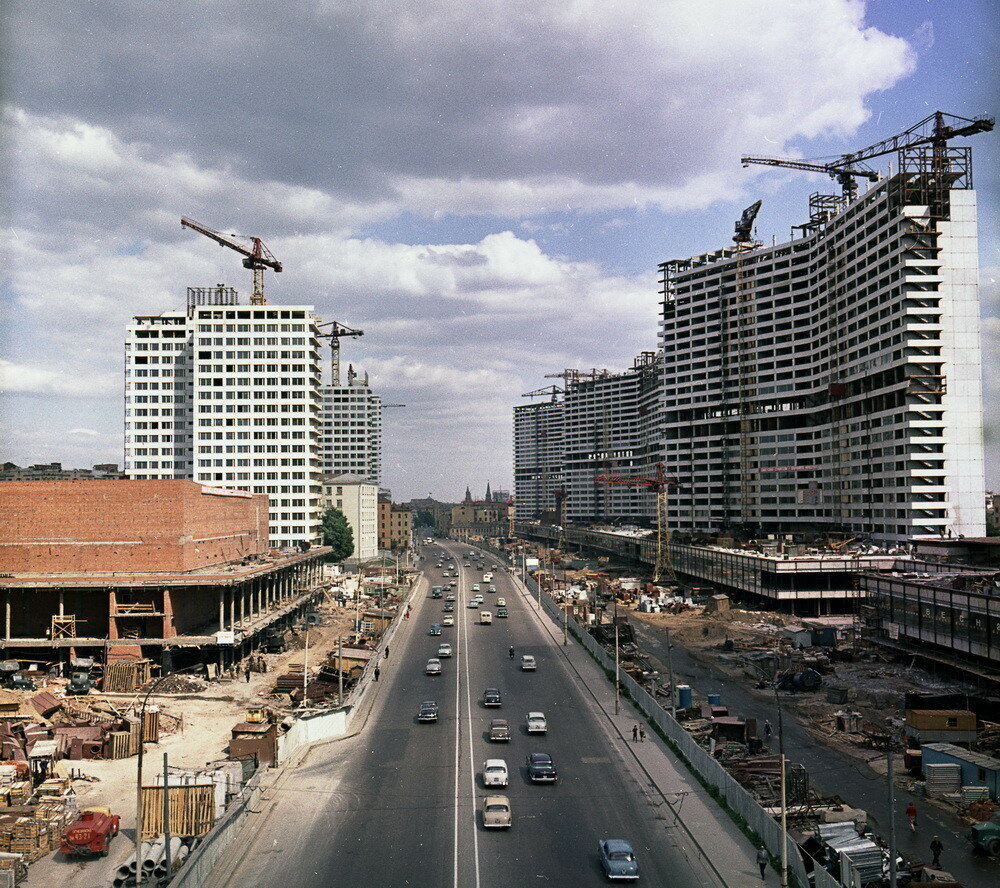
<point>204,720</point>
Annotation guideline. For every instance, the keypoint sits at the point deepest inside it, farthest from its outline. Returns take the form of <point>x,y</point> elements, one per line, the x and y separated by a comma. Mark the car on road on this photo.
<point>433,666</point>
<point>450,596</point>
<point>428,711</point>
<point>485,618</point>
<point>435,629</point>
<point>449,607</point>
<point>491,697</point>
<point>536,723</point>
<point>473,602</point>
<point>475,587</point>
<point>501,602</point>
<point>528,663</point>
<point>487,577</point>
<point>496,812</point>
<point>618,860</point>
<point>493,588</point>
<point>436,592</point>
<point>541,768</point>
<point>452,584</point>
<point>495,772</point>
<point>448,620</point>
<point>499,730</point>
<point>444,650</point>
<point>501,612</point>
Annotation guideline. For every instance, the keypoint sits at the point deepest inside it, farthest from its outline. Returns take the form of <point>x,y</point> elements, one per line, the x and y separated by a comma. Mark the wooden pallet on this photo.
<point>117,744</point>
<point>192,810</point>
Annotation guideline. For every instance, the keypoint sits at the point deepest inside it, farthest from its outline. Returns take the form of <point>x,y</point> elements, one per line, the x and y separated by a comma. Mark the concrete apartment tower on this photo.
<point>230,395</point>
<point>351,435</point>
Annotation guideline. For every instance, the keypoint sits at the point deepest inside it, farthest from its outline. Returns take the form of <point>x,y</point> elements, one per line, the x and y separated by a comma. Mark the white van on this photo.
<point>485,617</point>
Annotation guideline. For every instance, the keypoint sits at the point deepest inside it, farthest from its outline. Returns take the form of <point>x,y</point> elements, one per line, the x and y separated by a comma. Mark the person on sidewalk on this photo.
<point>642,735</point>
<point>767,731</point>
<point>911,815</point>
<point>248,673</point>
<point>936,849</point>
<point>377,673</point>
<point>387,652</point>
<point>762,861</point>
<point>635,733</point>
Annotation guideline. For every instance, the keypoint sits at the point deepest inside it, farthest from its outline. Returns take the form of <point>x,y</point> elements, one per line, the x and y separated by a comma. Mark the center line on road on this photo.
<point>458,724</point>
<point>472,758</point>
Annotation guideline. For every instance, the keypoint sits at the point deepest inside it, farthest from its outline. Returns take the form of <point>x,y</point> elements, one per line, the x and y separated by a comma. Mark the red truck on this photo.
<point>91,833</point>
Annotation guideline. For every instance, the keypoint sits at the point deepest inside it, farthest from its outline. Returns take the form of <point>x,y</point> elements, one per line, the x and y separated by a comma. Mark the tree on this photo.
<point>337,534</point>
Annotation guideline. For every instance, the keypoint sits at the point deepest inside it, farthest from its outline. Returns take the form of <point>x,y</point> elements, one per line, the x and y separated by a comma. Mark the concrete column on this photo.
<point>62,601</point>
<point>7,614</point>
<point>232,608</point>
<point>222,615</point>
<point>241,592</point>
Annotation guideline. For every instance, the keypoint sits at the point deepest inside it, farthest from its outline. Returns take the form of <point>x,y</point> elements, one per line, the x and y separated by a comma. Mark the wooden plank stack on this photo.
<point>192,810</point>
<point>117,745</point>
<point>127,676</point>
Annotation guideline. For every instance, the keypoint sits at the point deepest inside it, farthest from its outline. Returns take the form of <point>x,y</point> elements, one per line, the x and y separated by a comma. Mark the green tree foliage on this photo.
<point>424,518</point>
<point>337,534</point>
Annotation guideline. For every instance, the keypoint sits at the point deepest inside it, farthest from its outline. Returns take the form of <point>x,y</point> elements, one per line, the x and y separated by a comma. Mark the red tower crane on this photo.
<point>257,257</point>
<point>658,482</point>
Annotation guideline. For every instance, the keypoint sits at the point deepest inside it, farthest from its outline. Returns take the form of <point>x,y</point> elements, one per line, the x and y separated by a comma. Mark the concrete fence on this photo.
<point>201,860</point>
<point>745,807</point>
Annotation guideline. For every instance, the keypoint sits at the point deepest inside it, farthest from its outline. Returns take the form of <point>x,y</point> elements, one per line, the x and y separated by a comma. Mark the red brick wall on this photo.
<point>78,526</point>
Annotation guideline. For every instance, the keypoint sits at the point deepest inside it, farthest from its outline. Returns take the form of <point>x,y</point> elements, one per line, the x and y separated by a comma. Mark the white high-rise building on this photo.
<point>830,384</point>
<point>352,429</point>
<point>230,395</point>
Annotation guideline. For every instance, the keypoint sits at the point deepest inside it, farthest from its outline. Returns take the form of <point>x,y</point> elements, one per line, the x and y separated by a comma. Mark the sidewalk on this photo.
<point>721,847</point>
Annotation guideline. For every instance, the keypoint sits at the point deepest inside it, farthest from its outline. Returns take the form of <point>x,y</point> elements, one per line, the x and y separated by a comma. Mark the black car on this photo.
<point>499,731</point>
<point>449,607</point>
<point>541,769</point>
<point>501,612</point>
<point>491,697</point>
<point>428,711</point>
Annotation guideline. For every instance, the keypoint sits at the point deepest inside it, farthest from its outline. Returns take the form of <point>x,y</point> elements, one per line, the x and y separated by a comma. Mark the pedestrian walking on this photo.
<point>378,672</point>
<point>767,731</point>
<point>911,815</point>
<point>936,849</point>
<point>248,674</point>
<point>511,651</point>
<point>635,733</point>
<point>387,652</point>
<point>762,861</point>
<point>642,735</point>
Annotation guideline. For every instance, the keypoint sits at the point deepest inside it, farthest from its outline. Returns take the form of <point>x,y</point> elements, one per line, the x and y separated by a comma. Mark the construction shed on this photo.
<point>976,769</point>
<point>941,725</point>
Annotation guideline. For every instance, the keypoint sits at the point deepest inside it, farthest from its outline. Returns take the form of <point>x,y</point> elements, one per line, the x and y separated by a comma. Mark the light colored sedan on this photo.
<point>528,663</point>
<point>537,723</point>
<point>496,812</point>
<point>495,772</point>
<point>444,650</point>
<point>448,620</point>
<point>433,666</point>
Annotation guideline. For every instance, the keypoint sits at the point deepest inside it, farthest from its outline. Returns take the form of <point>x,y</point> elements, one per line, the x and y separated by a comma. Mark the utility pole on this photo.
<point>305,672</point>
<point>166,820</point>
<point>892,818</point>
<point>670,670</point>
<point>340,670</point>
<point>617,667</point>
<point>784,825</point>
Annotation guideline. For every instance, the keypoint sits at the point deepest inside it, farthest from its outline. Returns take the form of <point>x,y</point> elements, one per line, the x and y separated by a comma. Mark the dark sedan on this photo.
<point>541,768</point>
<point>491,697</point>
<point>499,731</point>
<point>428,711</point>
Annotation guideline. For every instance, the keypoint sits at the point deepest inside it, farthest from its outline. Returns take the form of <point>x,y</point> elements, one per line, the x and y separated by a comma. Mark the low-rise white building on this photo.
<point>357,498</point>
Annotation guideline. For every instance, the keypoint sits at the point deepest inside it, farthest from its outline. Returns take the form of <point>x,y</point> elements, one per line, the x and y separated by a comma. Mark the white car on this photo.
<point>447,620</point>
<point>475,587</point>
<point>493,588</point>
<point>433,667</point>
<point>473,602</point>
<point>487,577</point>
<point>537,723</point>
<point>444,650</point>
<point>528,663</point>
<point>495,772</point>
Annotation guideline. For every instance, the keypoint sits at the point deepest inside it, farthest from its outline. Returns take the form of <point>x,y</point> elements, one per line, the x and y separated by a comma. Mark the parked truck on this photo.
<point>80,680</point>
<point>986,836</point>
<point>91,833</point>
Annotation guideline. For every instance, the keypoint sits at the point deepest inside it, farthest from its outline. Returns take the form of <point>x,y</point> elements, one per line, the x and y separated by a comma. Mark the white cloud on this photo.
<point>63,381</point>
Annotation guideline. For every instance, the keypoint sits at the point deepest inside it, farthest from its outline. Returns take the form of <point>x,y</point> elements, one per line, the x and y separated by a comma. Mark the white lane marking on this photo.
<point>458,727</point>
<point>472,758</point>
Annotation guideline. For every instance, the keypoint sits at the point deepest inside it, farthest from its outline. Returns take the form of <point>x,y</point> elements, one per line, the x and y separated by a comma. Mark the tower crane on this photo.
<point>552,390</point>
<point>256,258</point>
<point>934,130</point>
<point>337,330</point>
<point>572,375</point>
<point>659,483</point>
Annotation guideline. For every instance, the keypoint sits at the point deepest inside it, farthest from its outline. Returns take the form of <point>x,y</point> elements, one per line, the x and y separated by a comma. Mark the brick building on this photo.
<point>181,571</point>
<point>395,527</point>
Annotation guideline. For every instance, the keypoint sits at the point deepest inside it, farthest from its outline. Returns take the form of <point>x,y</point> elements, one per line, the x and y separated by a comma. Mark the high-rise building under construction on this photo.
<point>828,384</point>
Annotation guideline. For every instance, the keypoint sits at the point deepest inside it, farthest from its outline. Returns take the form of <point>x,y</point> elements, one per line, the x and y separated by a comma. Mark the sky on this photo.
<point>485,188</point>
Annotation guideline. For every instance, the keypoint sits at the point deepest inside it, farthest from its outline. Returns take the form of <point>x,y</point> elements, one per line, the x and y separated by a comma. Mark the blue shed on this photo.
<point>977,769</point>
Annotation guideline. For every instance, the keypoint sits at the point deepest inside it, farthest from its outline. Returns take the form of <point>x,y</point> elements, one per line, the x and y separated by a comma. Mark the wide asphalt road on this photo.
<point>399,804</point>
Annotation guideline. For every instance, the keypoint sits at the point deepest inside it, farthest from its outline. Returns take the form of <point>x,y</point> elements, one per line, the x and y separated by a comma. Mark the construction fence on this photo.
<point>741,803</point>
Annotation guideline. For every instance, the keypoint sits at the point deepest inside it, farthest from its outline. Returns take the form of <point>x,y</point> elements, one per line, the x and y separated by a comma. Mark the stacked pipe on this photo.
<point>154,863</point>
